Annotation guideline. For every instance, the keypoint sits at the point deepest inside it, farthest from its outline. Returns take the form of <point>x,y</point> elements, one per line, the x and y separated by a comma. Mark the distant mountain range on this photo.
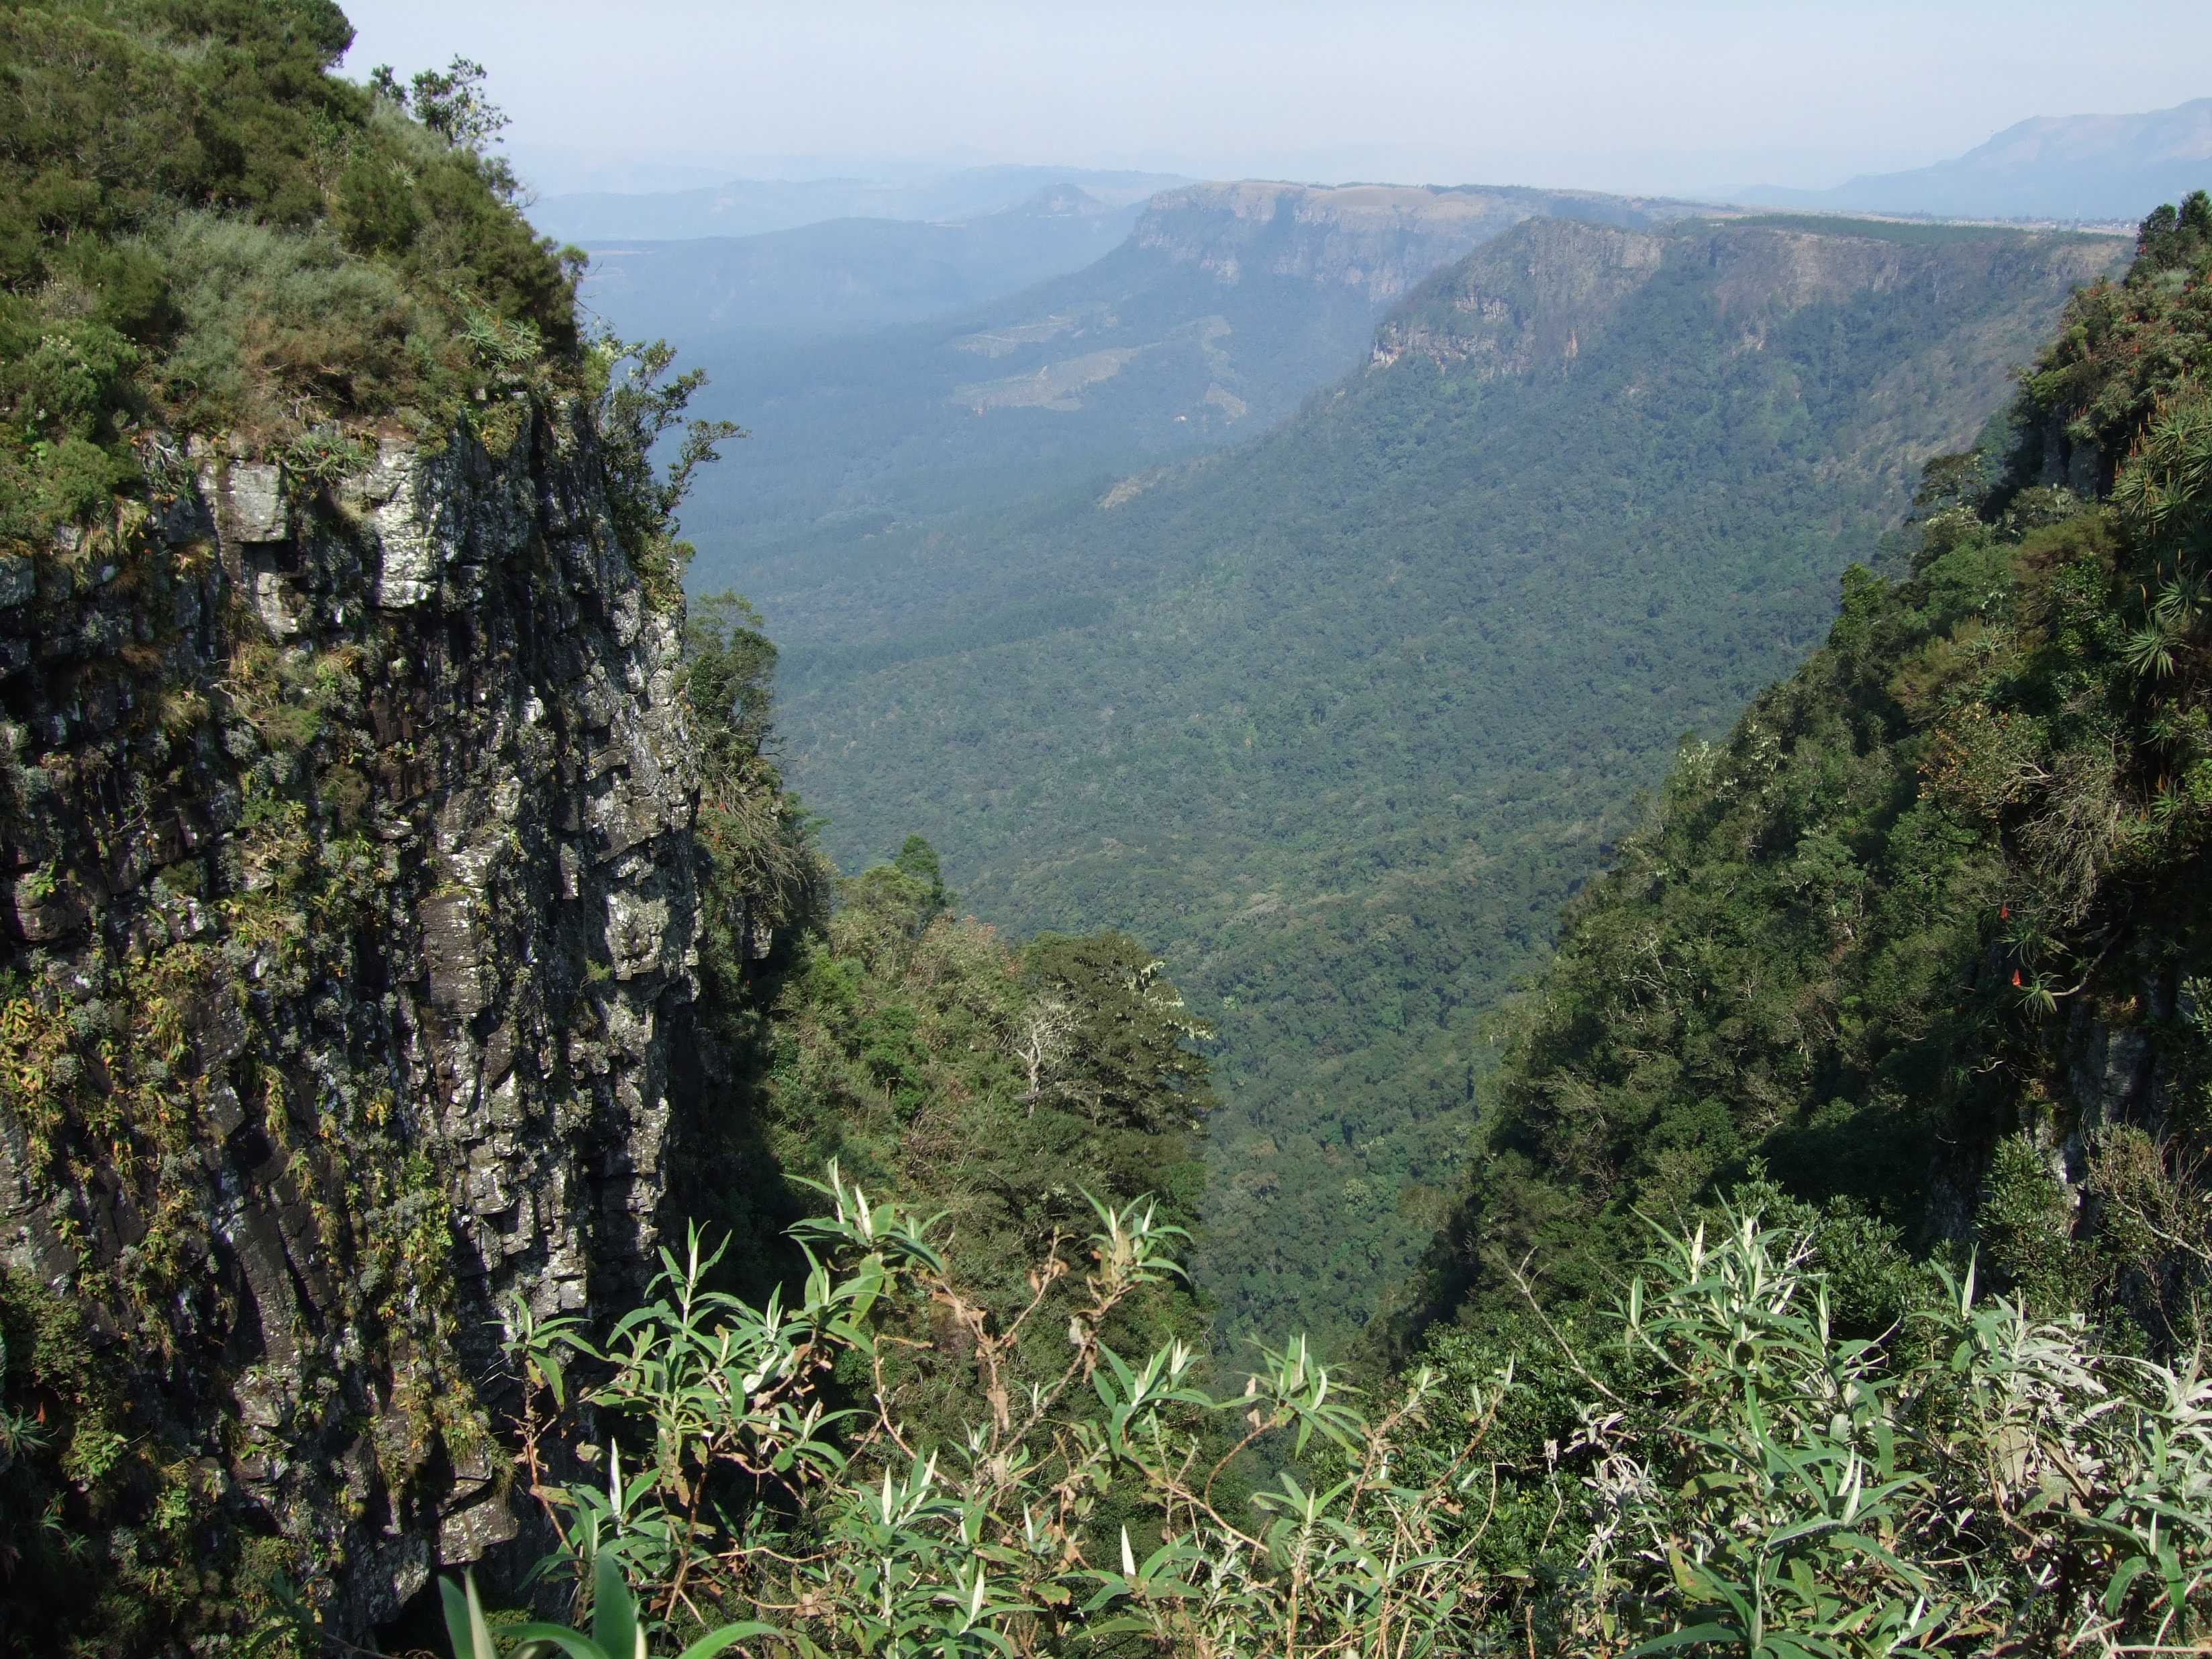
<point>846,276</point>
<point>752,206</point>
<point>1226,305</point>
<point>2102,168</point>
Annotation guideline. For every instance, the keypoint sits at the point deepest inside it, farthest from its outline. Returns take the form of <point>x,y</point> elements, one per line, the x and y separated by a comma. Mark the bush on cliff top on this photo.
<point>202,228</point>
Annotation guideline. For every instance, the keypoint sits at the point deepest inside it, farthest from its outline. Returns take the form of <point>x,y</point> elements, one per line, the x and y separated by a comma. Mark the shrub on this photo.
<point>201,229</point>
<point>271,316</point>
<point>1740,1479</point>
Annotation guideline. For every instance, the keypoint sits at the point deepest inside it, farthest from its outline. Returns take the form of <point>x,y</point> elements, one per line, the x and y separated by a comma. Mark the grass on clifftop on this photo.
<point>201,229</point>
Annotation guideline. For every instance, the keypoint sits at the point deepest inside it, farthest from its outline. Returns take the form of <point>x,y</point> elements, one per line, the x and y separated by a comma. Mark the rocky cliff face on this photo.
<point>1531,302</point>
<point>350,911</point>
<point>1378,239</point>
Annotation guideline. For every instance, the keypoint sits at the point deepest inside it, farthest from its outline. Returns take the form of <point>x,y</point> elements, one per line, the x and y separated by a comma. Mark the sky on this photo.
<point>1697,97</point>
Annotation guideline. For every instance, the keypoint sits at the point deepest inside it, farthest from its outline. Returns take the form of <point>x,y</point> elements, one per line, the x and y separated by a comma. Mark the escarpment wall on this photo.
<point>1380,239</point>
<point>345,834</point>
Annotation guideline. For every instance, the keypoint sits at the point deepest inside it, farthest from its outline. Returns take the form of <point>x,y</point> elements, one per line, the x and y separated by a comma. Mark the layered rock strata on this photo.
<point>345,835</point>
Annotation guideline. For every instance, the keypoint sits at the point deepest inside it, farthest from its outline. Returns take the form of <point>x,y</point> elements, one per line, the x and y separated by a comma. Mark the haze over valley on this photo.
<point>1247,588</point>
<point>1339,718</point>
<point>1225,306</point>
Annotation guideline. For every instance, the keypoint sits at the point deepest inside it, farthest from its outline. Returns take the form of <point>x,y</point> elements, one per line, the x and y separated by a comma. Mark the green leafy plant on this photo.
<point>618,1630</point>
<point>860,1538</point>
<point>1739,1479</point>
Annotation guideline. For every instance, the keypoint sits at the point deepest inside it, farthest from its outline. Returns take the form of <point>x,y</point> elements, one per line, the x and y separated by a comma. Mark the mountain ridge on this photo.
<point>1227,303</point>
<point>847,275</point>
<point>748,207</point>
<point>2113,168</point>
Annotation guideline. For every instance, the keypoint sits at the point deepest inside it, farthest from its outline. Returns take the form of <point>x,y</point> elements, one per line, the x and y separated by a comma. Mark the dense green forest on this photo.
<point>1708,1358</point>
<point>860,1022</point>
<point>1923,938</point>
<point>1356,708</point>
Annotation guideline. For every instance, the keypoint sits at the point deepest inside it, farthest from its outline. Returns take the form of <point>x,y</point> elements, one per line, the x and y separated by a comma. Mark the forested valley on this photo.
<point>476,1178</point>
<point>1337,720</point>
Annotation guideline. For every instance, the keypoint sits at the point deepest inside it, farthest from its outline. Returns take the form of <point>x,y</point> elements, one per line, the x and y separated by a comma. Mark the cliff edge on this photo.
<point>350,908</point>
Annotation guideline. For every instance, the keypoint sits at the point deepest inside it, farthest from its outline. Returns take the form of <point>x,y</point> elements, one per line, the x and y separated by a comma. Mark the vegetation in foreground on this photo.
<point>1739,1478</point>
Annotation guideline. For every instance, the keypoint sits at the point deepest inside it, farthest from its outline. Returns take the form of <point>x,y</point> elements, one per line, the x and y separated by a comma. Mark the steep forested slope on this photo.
<point>1340,719</point>
<point>1926,934</point>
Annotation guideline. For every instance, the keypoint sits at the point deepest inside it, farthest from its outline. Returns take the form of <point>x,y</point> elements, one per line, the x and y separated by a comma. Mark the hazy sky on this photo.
<point>1694,97</point>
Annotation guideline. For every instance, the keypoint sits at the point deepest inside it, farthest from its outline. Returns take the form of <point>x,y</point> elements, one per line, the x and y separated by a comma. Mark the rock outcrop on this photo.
<point>345,826</point>
<point>1379,239</point>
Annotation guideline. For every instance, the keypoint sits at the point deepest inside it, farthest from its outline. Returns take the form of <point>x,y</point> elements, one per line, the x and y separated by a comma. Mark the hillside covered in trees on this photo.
<point>1338,720</point>
<point>1829,1276</point>
<point>1923,938</point>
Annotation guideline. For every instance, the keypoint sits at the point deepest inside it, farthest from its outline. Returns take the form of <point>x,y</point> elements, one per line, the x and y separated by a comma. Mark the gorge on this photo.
<point>1339,718</point>
<point>473,1171</point>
